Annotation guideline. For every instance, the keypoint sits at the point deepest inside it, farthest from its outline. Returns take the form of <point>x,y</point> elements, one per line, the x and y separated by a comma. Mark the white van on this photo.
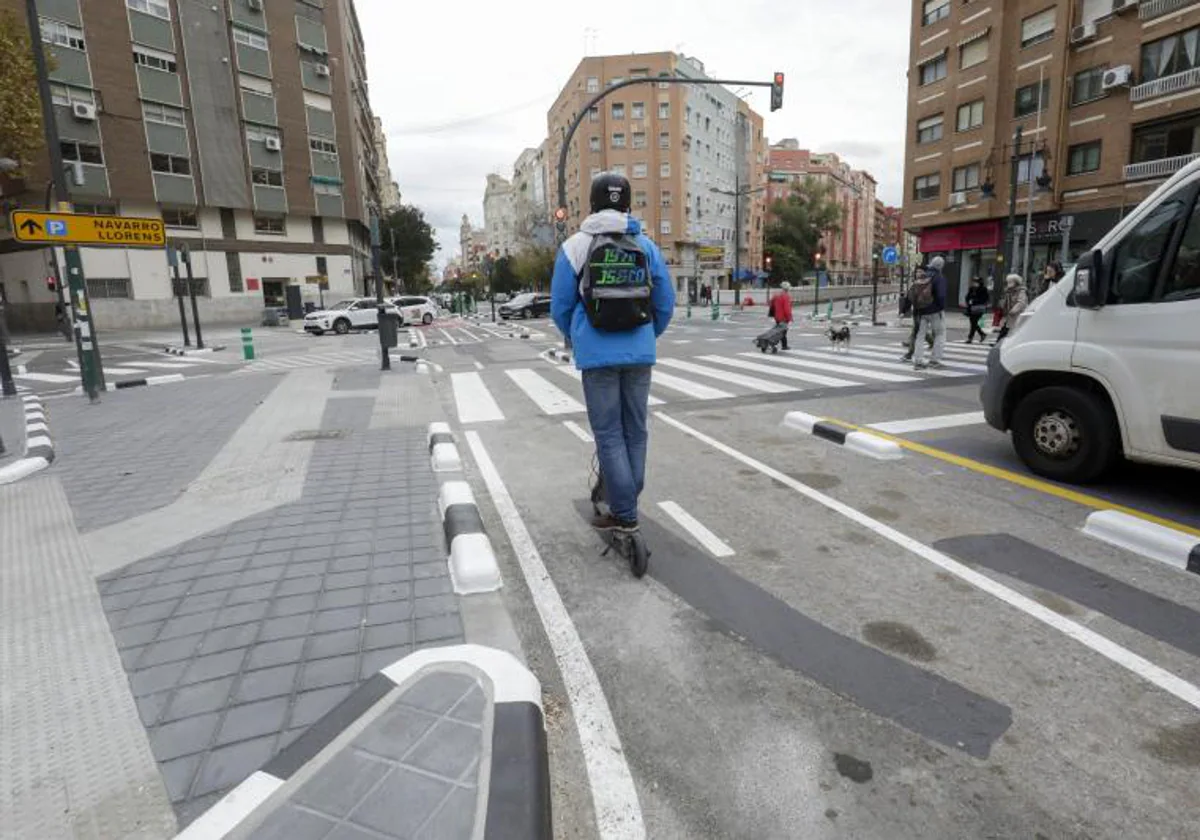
<point>1107,362</point>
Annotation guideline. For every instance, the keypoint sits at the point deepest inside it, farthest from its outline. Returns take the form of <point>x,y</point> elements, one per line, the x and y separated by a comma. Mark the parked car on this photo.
<point>347,315</point>
<point>416,309</point>
<point>527,305</point>
<point>500,297</point>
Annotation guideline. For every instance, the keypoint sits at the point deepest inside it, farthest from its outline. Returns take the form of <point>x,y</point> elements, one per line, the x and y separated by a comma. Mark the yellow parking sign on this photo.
<point>83,229</point>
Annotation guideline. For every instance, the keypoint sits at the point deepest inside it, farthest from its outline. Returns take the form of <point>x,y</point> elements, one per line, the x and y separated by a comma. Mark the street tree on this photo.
<point>797,226</point>
<point>533,267</point>
<point>503,278</point>
<point>414,243</point>
<point>20,109</point>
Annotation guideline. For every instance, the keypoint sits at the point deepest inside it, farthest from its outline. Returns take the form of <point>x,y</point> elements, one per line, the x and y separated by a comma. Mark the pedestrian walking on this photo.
<point>977,307</point>
<point>907,307</point>
<point>929,304</point>
<point>1016,300</point>
<point>780,311</point>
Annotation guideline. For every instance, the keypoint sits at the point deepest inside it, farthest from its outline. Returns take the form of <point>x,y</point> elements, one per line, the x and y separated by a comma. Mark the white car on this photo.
<point>416,309</point>
<point>347,315</point>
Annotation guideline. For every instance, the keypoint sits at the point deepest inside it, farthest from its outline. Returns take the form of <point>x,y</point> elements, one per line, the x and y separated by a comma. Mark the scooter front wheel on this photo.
<point>639,555</point>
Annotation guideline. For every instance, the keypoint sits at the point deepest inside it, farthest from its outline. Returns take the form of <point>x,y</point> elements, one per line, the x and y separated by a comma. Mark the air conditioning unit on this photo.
<point>1116,77</point>
<point>255,5</point>
<point>322,70</point>
<point>272,144</point>
<point>83,111</point>
<point>1083,33</point>
<point>1123,5</point>
<point>958,199</point>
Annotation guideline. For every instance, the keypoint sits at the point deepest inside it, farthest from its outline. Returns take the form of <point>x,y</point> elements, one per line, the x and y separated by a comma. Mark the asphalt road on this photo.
<point>845,647</point>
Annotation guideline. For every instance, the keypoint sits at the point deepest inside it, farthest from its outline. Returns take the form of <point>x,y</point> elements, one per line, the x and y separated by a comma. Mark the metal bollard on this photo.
<point>247,344</point>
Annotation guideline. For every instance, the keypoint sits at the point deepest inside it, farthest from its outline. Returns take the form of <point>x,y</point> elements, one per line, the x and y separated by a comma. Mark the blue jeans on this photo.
<point>618,401</point>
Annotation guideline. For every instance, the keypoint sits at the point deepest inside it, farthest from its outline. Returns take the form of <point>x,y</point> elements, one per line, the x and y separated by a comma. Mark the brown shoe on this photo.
<point>608,522</point>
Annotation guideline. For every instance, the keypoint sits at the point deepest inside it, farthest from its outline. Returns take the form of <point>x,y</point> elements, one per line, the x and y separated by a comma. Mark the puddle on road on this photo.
<point>854,769</point>
<point>880,512</point>
<point>899,638</point>
<point>1178,745</point>
<point>1060,605</point>
<point>894,495</point>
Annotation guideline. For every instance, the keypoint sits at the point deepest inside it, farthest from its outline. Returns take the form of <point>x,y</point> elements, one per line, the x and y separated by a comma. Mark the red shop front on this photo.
<point>969,251</point>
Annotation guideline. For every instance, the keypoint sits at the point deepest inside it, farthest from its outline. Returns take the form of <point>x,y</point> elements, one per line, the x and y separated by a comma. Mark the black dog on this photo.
<point>840,337</point>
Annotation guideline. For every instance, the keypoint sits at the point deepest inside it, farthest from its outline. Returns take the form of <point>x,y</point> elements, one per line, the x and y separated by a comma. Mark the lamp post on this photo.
<point>737,193</point>
<point>875,286</point>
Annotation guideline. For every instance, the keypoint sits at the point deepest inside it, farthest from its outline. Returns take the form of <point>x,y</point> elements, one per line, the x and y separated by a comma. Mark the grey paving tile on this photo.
<point>150,707</point>
<point>339,619</point>
<point>355,563</point>
<point>186,625</point>
<point>290,823</point>
<point>338,670</point>
<point>183,737</point>
<point>352,548</point>
<point>214,583</point>
<point>158,678</point>
<point>293,605</point>
<point>396,634</point>
<point>303,570</point>
<point>202,602</point>
<point>435,605</point>
<point>170,650</point>
<point>266,683</point>
<point>349,831</point>
<point>252,720</point>
<point>438,628</point>
<point>147,613</point>
<point>454,819</point>
<point>285,627</point>
<point>391,574</point>
<point>432,586</point>
<point>338,643</point>
<point>214,665</point>
<point>178,775</point>
<point>256,575</point>
<point>311,705</point>
<point>227,766</point>
<point>389,612</point>
<point>402,805</point>
<point>241,613</point>
<point>427,570</point>
<point>395,732</point>
<point>470,709</point>
<point>343,580</point>
<point>449,749</point>
<point>279,652</point>
<point>437,693</point>
<point>374,661</point>
<point>381,593</point>
<point>197,699</point>
<point>128,582</point>
<point>342,783</point>
<point>341,598</point>
<point>268,559</point>
<point>137,635</point>
<point>221,568</point>
<point>309,552</point>
<point>298,586</point>
<point>164,592</point>
<point>120,601</point>
<point>228,638</point>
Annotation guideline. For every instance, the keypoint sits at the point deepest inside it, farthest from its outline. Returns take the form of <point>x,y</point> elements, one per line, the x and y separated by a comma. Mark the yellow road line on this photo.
<point>1028,482</point>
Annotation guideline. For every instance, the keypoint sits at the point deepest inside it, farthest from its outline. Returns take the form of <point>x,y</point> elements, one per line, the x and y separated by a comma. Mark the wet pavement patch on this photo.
<point>854,769</point>
<point>881,513</point>
<point>1178,745</point>
<point>1167,621</point>
<point>899,638</point>
<point>911,697</point>
<point>316,434</point>
<point>818,481</point>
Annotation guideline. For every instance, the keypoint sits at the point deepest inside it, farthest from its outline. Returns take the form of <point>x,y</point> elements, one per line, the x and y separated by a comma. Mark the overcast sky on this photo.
<point>463,86</point>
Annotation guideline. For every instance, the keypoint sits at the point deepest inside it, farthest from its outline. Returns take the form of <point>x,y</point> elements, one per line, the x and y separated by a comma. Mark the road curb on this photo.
<point>39,446</point>
<point>188,351</point>
<point>864,443</point>
<point>1157,542</point>
<point>560,355</point>
<point>443,451</point>
<point>473,566</point>
<point>518,780</point>
<point>165,379</point>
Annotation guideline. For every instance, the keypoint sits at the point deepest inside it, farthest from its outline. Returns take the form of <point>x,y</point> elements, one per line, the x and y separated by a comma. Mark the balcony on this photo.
<point>1161,168</point>
<point>1150,9</point>
<point>1167,84</point>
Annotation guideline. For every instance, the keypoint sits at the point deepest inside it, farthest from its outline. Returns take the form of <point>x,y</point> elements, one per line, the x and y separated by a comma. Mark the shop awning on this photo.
<point>961,237</point>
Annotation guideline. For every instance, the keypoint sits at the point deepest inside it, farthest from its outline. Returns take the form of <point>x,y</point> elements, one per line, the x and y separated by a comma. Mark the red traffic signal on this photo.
<point>50,284</point>
<point>777,92</point>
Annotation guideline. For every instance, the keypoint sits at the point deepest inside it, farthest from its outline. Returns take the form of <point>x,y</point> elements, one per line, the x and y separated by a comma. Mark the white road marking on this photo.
<point>1136,664</point>
<point>681,341</point>
<point>926,424</point>
<point>866,361</point>
<point>890,353</point>
<point>850,370</point>
<point>53,378</point>
<point>578,377</point>
<point>474,401</point>
<point>687,386</point>
<point>614,797</point>
<point>122,371</point>
<point>449,337</point>
<point>479,365</point>
<point>165,365</point>
<point>692,525</point>
<point>579,432</point>
<point>549,398</point>
<point>801,376</point>
<point>751,382</point>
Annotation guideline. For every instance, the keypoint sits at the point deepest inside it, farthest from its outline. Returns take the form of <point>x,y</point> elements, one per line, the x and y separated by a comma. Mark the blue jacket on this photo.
<point>594,348</point>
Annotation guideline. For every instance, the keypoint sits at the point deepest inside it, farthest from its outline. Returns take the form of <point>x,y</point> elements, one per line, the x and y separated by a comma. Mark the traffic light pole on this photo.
<point>86,345</point>
<point>385,358</point>
<point>662,80</point>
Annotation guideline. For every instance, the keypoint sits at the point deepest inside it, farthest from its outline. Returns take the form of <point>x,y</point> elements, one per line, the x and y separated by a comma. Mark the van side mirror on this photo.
<point>1089,281</point>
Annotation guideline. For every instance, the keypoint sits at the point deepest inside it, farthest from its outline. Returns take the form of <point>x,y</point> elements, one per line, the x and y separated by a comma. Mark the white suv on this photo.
<point>416,309</point>
<point>346,315</point>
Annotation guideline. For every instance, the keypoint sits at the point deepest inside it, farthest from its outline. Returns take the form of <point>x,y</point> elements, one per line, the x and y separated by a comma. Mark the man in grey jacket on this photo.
<point>931,310</point>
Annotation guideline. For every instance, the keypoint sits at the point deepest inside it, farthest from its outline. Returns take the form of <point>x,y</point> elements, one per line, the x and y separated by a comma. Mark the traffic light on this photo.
<point>768,262</point>
<point>777,92</point>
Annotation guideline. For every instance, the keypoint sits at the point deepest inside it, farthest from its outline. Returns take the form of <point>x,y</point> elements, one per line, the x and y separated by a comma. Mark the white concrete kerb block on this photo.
<point>874,446</point>
<point>473,566</point>
<point>1149,539</point>
<point>454,493</point>
<point>800,421</point>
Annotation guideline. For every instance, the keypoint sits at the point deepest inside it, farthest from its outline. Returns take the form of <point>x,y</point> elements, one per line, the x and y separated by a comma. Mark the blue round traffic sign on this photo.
<point>890,255</point>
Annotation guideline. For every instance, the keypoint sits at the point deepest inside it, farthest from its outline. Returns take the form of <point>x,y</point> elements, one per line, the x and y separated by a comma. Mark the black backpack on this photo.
<point>615,283</point>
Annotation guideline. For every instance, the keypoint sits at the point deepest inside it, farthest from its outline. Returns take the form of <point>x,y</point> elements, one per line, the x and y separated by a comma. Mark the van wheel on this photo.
<point>341,326</point>
<point>1065,434</point>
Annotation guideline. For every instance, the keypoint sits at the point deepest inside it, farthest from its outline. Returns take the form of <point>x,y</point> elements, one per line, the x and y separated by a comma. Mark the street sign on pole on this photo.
<point>890,255</point>
<point>82,229</point>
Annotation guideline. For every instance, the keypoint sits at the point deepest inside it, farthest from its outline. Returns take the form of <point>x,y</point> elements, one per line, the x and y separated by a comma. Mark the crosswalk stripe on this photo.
<point>165,365</point>
<point>474,401</point>
<point>549,398</point>
<point>799,376</point>
<point>449,337</point>
<point>751,382</point>
<point>865,361</point>
<point>687,386</point>
<point>888,353</point>
<point>122,371</point>
<point>578,377</point>
<point>52,378</point>
<point>843,369</point>
<point>928,424</point>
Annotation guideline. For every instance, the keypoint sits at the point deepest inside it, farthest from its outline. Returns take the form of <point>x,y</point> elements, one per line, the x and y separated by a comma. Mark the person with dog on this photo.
<point>977,306</point>
<point>779,310</point>
<point>929,305</point>
<point>612,295</point>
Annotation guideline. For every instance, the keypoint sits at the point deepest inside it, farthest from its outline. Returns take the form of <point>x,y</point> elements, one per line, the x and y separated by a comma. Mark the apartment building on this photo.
<point>1106,94</point>
<point>389,190</point>
<point>848,249</point>
<point>531,199</point>
<point>244,124</point>
<point>472,242</point>
<point>694,154</point>
<point>500,216</point>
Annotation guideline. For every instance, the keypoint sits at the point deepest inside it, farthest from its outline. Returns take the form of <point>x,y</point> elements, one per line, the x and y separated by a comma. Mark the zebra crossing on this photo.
<point>455,333</point>
<point>27,380</point>
<point>493,396</point>
<point>297,361</point>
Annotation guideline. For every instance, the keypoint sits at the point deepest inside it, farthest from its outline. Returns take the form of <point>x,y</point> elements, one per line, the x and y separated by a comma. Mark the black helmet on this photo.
<point>611,192</point>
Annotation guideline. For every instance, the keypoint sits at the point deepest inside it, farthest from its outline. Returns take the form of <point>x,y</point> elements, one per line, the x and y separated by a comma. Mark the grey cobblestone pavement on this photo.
<point>412,773</point>
<point>12,428</point>
<point>237,641</point>
<point>112,473</point>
